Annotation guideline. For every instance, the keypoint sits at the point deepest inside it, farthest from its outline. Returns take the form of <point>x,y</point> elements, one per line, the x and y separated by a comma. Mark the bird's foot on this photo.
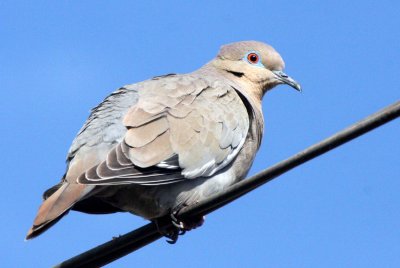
<point>179,226</point>
<point>187,225</point>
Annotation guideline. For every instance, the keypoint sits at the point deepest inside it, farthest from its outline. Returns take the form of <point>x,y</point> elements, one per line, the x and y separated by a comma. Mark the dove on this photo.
<point>154,147</point>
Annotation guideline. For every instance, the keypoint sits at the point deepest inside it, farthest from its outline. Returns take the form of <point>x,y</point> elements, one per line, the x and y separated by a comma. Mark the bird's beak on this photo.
<point>285,79</point>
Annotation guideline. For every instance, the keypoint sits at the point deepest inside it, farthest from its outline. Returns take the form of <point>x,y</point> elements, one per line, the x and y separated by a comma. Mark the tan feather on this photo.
<point>152,153</point>
<point>144,134</point>
<point>56,206</point>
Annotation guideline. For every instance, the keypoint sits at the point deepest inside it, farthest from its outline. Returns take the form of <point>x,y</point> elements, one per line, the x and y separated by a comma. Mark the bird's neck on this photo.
<point>252,91</point>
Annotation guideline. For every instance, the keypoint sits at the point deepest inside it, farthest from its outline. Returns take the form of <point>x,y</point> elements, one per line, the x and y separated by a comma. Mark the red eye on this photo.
<point>253,58</point>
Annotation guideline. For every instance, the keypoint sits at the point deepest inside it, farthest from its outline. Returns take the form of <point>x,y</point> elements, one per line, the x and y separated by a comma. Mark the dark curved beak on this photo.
<point>285,79</point>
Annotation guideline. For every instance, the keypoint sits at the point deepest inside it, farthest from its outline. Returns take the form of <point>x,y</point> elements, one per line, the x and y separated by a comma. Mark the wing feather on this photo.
<point>181,127</point>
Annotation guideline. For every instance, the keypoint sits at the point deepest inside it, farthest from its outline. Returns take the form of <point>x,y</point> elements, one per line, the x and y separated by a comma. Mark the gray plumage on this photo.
<point>155,146</point>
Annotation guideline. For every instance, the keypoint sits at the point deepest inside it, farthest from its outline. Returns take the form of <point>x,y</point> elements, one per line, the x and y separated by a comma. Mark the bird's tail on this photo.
<point>56,206</point>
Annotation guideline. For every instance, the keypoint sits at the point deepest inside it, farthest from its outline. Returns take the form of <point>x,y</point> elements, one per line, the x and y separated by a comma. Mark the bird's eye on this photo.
<point>253,58</point>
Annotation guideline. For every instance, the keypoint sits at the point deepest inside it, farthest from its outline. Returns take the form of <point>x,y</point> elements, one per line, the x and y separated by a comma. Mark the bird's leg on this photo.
<point>177,223</point>
<point>179,226</point>
<point>184,225</point>
<point>188,224</point>
<point>170,233</point>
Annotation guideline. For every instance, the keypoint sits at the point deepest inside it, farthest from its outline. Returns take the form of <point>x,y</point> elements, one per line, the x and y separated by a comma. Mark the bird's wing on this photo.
<point>182,127</point>
<point>100,133</point>
<point>98,136</point>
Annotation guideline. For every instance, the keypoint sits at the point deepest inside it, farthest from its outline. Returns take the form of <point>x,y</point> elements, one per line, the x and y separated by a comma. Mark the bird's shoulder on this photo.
<point>104,124</point>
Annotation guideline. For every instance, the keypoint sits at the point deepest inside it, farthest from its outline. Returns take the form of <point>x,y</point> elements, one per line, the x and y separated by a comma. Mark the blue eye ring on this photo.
<point>253,58</point>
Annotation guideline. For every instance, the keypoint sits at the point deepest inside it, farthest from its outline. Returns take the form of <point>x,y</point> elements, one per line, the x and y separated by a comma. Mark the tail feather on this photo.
<point>35,230</point>
<point>56,206</point>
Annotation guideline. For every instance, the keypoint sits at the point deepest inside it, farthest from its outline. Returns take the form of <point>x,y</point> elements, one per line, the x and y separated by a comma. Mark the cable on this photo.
<point>123,245</point>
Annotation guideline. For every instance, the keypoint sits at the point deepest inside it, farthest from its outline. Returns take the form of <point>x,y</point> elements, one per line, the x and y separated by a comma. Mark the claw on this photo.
<point>178,228</point>
<point>172,237</point>
<point>177,223</point>
<point>172,234</point>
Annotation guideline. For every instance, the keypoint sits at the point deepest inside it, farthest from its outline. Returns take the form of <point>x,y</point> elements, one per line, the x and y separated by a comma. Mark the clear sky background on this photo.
<point>60,58</point>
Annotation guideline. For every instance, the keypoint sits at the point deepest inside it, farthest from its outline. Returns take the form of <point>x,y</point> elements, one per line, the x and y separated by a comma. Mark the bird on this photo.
<point>156,146</point>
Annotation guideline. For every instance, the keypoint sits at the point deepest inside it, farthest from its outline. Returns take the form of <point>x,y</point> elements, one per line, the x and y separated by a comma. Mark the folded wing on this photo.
<point>182,127</point>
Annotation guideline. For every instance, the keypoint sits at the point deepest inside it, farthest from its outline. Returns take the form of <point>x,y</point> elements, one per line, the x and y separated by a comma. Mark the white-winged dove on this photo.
<point>152,147</point>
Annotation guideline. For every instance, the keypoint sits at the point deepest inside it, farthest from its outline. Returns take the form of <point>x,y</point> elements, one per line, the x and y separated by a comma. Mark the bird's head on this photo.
<point>256,63</point>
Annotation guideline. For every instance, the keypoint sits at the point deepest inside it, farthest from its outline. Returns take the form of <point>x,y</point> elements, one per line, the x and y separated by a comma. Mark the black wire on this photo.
<point>123,245</point>
<point>114,249</point>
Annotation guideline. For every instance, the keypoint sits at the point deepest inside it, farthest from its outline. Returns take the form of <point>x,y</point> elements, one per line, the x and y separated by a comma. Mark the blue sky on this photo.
<point>60,58</point>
